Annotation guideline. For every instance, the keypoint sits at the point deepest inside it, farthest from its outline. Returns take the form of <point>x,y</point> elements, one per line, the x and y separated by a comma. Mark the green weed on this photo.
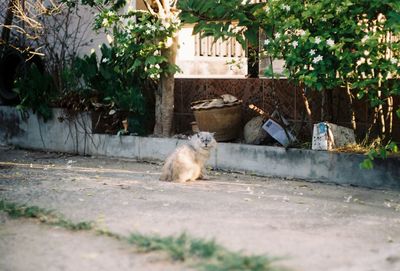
<point>45,216</point>
<point>205,255</point>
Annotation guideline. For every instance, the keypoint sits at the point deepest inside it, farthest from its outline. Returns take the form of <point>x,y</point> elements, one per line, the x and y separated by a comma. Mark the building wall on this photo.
<point>207,58</point>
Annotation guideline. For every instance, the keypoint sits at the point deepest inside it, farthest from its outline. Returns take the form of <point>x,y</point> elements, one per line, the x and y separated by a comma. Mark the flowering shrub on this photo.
<point>341,43</point>
<point>146,44</point>
<point>135,62</point>
<point>325,44</point>
<point>138,38</point>
<point>351,44</point>
<point>329,43</point>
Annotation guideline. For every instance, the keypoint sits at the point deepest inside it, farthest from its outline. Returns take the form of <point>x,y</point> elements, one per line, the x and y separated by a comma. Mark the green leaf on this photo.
<point>220,11</point>
<point>366,164</point>
<point>392,146</point>
<point>251,35</point>
<point>383,153</point>
<point>105,72</point>
<point>189,18</point>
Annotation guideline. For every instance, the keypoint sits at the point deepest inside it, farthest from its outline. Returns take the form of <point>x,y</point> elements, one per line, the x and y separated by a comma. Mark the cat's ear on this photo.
<point>213,133</point>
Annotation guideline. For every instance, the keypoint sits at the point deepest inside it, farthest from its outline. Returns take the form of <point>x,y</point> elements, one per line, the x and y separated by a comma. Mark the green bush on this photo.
<point>36,91</point>
<point>108,82</point>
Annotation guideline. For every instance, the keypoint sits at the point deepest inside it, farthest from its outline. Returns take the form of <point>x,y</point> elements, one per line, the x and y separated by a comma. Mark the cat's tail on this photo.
<point>163,177</point>
<point>166,175</point>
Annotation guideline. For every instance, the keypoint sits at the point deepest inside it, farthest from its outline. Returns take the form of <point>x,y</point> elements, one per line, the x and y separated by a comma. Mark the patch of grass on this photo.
<point>232,261</point>
<point>69,225</point>
<point>203,254</point>
<point>179,248</point>
<point>204,249</point>
<point>176,247</point>
<point>108,233</point>
<point>15,210</point>
<point>206,255</point>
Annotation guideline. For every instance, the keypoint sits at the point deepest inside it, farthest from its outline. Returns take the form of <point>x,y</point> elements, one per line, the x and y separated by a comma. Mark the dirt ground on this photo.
<point>308,226</point>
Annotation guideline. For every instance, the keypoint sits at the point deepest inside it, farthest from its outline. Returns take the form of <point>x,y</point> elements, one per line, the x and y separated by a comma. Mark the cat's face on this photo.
<point>204,140</point>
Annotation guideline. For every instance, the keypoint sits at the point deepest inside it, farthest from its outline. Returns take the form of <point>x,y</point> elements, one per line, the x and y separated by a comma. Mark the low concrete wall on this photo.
<point>74,136</point>
<point>62,133</point>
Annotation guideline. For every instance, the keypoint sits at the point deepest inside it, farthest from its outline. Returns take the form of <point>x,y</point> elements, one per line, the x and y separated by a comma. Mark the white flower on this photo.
<point>365,38</point>
<point>394,60</point>
<point>317,40</point>
<point>166,24</point>
<point>300,32</point>
<point>277,35</point>
<point>105,22</point>
<point>317,59</point>
<point>295,43</point>
<point>330,42</point>
<point>312,52</point>
<point>286,7</point>
<point>361,61</point>
<point>162,28</point>
<point>176,20</point>
<point>104,60</point>
<point>266,42</point>
<point>110,39</point>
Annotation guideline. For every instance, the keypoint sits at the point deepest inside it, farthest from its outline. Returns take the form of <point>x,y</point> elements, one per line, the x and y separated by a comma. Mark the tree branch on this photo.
<point>161,10</point>
<point>149,8</point>
<point>167,8</point>
<point>173,4</point>
<point>21,31</point>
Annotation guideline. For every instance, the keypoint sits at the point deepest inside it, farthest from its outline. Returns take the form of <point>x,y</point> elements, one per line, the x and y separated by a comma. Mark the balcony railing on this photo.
<point>208,47</point>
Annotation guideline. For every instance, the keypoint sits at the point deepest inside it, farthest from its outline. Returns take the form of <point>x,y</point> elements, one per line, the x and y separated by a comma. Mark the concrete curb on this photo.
<point>75,136</point>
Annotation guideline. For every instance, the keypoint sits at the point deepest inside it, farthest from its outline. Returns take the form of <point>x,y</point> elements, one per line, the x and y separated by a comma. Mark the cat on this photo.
<point>186,163</point>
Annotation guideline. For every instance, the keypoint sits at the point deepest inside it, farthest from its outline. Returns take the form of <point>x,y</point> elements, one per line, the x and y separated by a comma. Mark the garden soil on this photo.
<point>306,226</point>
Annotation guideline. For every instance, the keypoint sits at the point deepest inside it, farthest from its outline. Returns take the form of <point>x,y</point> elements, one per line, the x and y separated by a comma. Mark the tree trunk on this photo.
<point>351,101</point>
<point>307,109</point>
<point>389,117</point>
<point>326,106</point>
<point>5,34</point>
<point>165,94</point>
